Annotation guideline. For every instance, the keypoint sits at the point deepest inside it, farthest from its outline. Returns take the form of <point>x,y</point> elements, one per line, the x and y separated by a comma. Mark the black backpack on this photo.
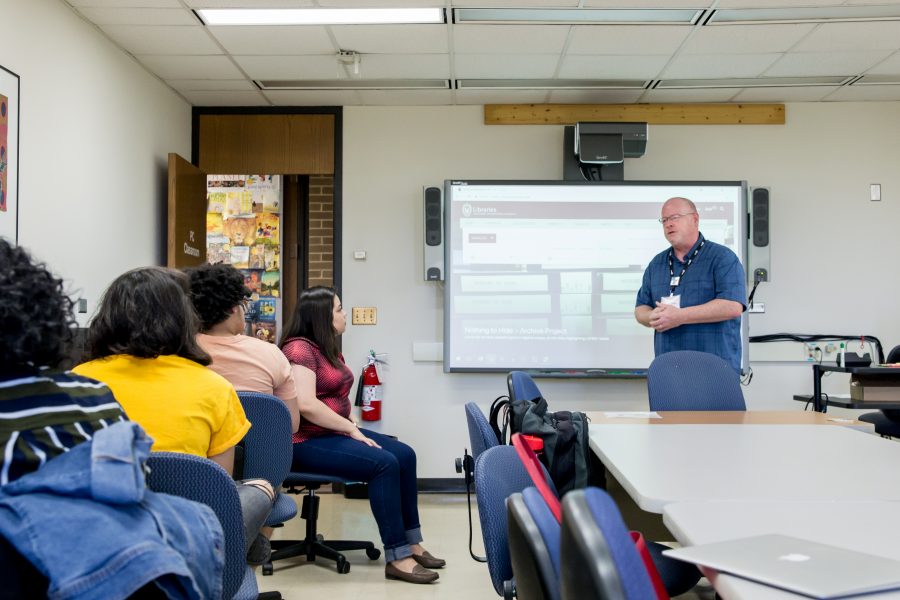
<point>566,451</point>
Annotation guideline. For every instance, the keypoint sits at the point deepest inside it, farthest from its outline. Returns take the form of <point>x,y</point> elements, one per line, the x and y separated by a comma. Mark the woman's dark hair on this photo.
<point>36,318</point>
<point>313,319</point>
<point>147,313</point>
<point>215,290</point>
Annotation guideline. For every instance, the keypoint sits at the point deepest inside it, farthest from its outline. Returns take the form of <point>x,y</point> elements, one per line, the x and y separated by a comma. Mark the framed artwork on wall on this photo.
<point>9,154</point>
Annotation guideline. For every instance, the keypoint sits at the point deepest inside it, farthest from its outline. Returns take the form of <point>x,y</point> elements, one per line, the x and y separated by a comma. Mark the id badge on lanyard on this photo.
<point>671,300</point>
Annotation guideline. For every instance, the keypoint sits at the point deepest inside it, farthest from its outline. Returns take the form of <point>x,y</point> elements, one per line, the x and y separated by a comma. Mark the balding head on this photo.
<point>679,205</point>
<point>681,224</point>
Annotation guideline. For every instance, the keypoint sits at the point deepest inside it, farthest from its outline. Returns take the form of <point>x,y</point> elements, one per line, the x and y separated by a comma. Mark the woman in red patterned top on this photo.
<point>330,442</point>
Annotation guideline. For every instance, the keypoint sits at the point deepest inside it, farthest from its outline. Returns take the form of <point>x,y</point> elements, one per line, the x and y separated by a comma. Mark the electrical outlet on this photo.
<point>820,351</point>
<point>366,315</point>
<point>758,307</point>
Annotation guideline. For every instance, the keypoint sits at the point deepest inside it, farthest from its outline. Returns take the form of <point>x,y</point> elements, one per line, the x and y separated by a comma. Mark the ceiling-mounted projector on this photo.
<point>609,143</point>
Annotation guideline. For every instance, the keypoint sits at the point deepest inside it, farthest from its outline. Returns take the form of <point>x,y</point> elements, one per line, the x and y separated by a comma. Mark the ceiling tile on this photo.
<point>510,39</point>
<point>233,98</point>
<point>191,67</point>
<point>874,35</point>
<point>392,39</point>
<point>157,39</point>
<point>795,64</point>
<point>291,67</point>
<point>612,67</point>
<point>501,97</point>
<point>889,66</point>
<point>516,4</point>
<point>279,40</point>
<point>139,16</point>
<point>646,3</point>
<point>407,97</point>
<point>400,66</point>
<point>249,3</point>
<point>875,93</point>
<point>210,85</point>
<point>126,3</point>
<point>711,66</point>
<point>626,39</point>
<point>810,93</point>
<point>746,39</point>
<point>704,95</point>
<point>314,97</point>
<point>505,66</point>
<point>595,96</point>
<point>779,3</point>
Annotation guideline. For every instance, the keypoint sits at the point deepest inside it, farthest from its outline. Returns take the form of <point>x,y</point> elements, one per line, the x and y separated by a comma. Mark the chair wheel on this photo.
<point>343,567</point>
<point>267,569</point>
<point>373,553</point>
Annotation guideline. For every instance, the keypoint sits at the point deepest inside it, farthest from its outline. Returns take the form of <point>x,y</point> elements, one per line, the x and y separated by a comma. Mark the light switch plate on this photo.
<point>365,315</point>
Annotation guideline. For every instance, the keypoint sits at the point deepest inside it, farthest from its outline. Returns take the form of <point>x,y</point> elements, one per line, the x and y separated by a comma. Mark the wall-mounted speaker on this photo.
<point>760,253</point>
<point>433,203</point>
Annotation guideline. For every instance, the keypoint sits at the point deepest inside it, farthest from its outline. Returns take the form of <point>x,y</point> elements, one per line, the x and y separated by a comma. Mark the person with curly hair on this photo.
<point>331,441</point>
<point>220,298</point>
<point>142,345</point>
<point>44,410</point>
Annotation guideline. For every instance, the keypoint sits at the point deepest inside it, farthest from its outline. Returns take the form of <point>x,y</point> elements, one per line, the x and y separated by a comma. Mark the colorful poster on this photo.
<point>267,227</point>
<point>240,230</point>
<point>243,230</point>
<point>240,257</point>
<point>271,284</point>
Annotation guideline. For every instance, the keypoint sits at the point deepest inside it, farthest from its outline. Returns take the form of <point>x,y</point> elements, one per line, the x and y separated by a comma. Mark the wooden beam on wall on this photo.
<point>655,114</point>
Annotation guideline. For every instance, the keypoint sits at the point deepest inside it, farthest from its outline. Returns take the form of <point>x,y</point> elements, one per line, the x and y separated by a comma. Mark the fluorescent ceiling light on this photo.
<point>877,80</point>
<point>578,16</point>
<point>550,84</point>
<point>320,16</point>
<point>354,84</point>
<point>751,82</point>
<point>805,15</point>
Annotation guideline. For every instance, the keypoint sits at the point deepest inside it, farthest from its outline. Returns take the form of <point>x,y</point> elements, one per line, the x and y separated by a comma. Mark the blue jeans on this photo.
<point>390,472</point>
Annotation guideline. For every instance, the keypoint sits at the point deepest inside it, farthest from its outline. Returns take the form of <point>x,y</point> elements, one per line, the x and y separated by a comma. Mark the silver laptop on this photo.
<point>797,565</point>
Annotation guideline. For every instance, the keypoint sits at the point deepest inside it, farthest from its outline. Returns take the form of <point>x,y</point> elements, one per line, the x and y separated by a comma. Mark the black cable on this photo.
<point>752,291</point>
<point>477,558</point>
<point>802,337</point>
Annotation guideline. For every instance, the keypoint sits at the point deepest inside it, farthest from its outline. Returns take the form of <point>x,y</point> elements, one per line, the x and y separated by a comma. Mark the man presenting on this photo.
<point>692,294</point>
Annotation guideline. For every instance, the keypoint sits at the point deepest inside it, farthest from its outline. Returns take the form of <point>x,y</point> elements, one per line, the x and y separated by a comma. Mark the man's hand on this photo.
<point>665,317</point>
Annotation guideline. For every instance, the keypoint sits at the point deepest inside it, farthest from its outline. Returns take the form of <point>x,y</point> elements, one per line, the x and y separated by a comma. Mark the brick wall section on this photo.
<point>320,254</point>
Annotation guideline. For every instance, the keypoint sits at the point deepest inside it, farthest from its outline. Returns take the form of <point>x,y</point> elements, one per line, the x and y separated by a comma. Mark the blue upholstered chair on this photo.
<point>521,386</point>
<point>481,436</point>
<point>598,556</point>
<point>498,475</point>
<point>202,480</point>
<point>690,380</point>
<point>534,535</point>
<point>268,452</point>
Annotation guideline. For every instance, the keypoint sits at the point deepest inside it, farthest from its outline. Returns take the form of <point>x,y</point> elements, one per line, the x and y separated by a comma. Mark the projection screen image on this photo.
<point>543,275</point>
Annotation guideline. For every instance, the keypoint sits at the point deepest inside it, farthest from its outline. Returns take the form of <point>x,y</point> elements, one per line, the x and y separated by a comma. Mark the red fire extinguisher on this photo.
<point>371,391</point>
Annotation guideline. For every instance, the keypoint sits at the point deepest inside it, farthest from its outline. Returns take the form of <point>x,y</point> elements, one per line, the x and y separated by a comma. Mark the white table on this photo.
<point>660,464</point>
<point>869,527</point>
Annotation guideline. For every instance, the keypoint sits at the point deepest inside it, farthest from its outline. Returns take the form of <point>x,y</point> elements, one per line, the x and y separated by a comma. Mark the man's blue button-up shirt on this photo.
<point>716,273</point>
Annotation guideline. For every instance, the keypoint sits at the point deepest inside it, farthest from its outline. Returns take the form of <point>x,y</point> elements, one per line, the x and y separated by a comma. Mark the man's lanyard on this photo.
<point>674,281</point>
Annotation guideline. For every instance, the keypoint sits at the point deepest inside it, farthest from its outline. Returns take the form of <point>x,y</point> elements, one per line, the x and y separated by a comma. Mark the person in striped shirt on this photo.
<point>44,409</point>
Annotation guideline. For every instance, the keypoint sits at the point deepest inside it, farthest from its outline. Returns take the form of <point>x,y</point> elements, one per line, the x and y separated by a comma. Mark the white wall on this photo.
<point>95,131</point>
<point>832,265</point>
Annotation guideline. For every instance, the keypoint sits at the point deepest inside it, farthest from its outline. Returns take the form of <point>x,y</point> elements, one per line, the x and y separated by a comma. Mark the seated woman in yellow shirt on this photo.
<point>142,346</point>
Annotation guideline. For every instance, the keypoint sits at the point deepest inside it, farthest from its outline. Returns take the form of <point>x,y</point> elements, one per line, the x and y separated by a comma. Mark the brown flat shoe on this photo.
<point>419,574</point>
<point>428,561</point>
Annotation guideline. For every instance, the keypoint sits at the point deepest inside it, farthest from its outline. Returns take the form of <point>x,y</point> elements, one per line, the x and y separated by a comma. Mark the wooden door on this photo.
<point>186,229</point>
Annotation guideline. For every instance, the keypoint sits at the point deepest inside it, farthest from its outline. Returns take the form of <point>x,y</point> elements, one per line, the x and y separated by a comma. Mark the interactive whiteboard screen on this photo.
<point>543,275</point>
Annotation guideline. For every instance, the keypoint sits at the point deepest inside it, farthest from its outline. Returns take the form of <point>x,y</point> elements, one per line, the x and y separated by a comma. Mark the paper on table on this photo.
<point>634,414</point>
<point>839,420</point>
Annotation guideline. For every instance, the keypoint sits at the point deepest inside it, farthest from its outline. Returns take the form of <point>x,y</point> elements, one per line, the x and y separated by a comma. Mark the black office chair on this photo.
<point>314,545</point>
<point>886,422</point>
<point>690,380</point>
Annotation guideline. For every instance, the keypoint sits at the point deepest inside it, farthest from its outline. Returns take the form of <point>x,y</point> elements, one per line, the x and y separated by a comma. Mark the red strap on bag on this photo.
<point>655,579</point>
<point>536,473</point>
